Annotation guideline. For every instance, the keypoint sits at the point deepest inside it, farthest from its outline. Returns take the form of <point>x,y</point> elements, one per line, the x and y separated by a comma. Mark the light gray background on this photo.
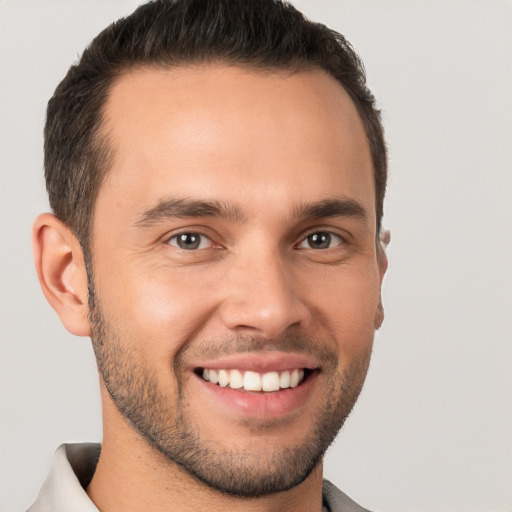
<point>433,429</point>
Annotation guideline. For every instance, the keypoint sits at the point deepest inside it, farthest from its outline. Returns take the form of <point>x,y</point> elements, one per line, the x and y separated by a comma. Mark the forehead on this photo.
<point>225,133</point>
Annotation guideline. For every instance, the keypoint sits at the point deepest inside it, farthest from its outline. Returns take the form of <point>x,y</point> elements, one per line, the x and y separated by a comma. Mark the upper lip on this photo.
<point>260,362</point>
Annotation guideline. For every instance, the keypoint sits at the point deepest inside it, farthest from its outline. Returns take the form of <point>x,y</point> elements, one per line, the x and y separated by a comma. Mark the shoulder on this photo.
<point>338,501</point>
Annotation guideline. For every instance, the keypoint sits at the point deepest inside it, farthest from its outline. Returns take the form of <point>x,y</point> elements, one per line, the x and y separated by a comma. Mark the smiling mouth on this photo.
<point>253,381</point>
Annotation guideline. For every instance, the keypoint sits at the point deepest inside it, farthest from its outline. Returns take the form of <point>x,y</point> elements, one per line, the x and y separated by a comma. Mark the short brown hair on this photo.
<point>264,34</point>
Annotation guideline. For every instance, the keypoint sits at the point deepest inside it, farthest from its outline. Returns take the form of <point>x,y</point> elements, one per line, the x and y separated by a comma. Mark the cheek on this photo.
<point>347,306</point>
<point>157,308</point>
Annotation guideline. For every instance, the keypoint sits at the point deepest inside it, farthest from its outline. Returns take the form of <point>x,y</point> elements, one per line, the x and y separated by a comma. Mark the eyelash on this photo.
<point>183,234</point>
<point>326,236</point>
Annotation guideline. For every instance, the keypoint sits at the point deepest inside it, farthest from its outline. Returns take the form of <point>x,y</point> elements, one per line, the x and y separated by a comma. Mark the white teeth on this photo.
<point>294,379</point>
<point>223,378</point>
<point>253,381</point>
<point>236,379</point>
<point>270,381</point>
<point>284,381</point>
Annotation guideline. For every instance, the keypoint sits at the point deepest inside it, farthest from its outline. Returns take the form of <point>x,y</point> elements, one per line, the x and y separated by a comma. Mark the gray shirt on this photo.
<point>73,468</point>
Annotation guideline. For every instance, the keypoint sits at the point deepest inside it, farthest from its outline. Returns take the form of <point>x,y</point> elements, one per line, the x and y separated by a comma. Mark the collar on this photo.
<point>74,465</point>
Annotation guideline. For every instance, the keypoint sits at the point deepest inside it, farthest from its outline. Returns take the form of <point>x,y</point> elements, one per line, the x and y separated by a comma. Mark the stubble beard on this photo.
<point>167,426</point>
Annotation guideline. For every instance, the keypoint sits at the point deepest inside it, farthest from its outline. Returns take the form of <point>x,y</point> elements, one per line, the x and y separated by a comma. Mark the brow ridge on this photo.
<point>170,208</point>
<point>332,208</point>
<point>187,208</point>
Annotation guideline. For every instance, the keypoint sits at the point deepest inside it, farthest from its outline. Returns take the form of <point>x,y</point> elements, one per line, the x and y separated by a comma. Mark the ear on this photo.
<point>382,261</point>
<point>61,271</point>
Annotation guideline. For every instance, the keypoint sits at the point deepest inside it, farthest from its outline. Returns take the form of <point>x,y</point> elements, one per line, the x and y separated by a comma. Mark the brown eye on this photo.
<point>321,240</point>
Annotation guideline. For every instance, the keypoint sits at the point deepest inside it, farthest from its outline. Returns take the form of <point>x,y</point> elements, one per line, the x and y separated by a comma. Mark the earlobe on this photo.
<point>61,271</point>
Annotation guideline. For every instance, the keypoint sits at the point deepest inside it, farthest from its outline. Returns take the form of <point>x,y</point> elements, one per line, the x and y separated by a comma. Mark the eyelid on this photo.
<point>333,232</point>
<point>333,237</point>
<point>201,236</point>
<point>193,230</point>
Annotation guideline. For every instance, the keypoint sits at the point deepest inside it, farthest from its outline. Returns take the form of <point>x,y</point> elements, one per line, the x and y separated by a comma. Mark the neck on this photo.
<point>131,476</point>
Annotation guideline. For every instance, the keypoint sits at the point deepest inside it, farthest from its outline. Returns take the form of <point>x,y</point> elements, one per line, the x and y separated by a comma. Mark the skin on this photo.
<point>266,145</point>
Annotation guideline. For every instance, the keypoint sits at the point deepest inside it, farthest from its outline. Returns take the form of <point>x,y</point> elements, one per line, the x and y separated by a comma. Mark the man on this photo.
<point>217,172</point>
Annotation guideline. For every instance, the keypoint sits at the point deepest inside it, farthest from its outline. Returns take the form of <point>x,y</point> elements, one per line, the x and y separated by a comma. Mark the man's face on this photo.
<point>234,240</point>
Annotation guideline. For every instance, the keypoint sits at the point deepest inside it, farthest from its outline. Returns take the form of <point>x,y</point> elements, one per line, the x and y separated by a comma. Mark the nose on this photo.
<point>262,297</point>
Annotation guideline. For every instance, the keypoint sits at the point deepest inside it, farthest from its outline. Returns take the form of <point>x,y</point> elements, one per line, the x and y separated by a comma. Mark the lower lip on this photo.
<point>271,405</point>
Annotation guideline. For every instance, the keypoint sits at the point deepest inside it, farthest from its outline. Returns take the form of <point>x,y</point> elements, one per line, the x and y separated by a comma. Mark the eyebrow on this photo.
<point>180,208</point>
<point>186,208</point>
<point>332,208</point>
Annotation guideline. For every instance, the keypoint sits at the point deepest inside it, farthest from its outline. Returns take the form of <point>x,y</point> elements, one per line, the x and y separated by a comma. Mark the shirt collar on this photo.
<point>74,465</point>
<point>72,470</point>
